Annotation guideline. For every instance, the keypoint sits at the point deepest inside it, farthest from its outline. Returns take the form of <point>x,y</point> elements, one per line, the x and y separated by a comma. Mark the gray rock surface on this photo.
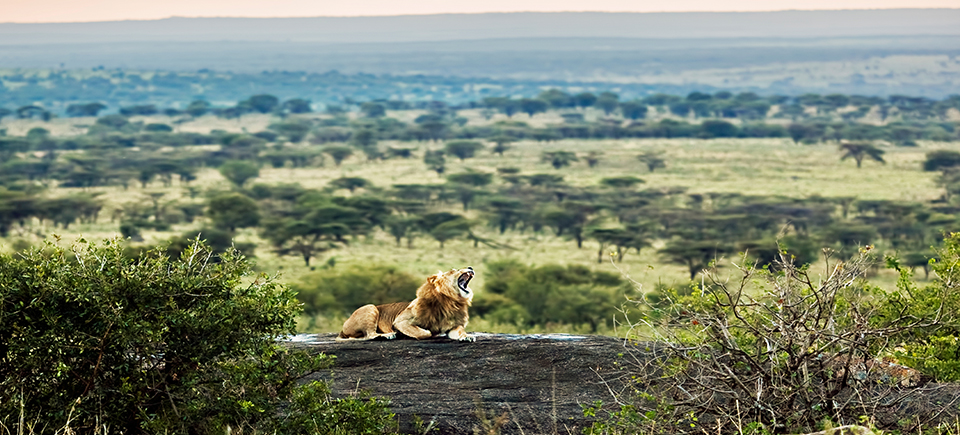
<point>538,381</point>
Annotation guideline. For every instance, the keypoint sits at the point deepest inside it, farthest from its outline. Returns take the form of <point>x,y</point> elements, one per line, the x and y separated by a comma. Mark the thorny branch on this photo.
<point>776,346</point>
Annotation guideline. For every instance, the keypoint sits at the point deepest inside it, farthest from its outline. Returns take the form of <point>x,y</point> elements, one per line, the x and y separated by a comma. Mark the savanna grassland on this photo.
<point>705,169</point>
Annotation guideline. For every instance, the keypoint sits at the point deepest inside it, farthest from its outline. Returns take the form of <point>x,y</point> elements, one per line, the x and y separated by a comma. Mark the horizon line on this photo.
<point>475,13</point>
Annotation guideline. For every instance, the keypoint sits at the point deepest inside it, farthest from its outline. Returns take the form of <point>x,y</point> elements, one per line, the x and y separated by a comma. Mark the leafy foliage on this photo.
<point>340,291</point>
<point>785,355</point>
<point>93,339</point>
<point>527,295</point>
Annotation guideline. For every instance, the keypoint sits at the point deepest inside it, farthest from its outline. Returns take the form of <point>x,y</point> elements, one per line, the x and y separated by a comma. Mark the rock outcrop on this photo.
<point>538,382</point>
<point>534,384</point>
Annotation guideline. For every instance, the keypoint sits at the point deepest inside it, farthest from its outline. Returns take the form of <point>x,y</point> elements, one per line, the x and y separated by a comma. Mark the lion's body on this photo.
<point>440,308</point>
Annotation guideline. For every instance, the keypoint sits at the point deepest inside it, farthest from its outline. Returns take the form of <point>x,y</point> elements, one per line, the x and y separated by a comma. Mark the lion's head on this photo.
<point>454,283</point>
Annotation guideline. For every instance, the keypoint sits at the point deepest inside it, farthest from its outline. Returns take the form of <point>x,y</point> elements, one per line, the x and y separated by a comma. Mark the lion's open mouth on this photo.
<point>464,280</point>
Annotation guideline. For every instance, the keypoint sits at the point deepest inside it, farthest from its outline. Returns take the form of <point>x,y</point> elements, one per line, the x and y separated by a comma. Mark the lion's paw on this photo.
<point>469,338</point>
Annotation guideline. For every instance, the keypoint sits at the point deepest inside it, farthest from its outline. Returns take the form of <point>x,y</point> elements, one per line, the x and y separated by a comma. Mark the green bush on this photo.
<point>90,339</point>
<point>342,291</point>
<point>785,348</point>
<point>935,351</point>
<point>526,295</point>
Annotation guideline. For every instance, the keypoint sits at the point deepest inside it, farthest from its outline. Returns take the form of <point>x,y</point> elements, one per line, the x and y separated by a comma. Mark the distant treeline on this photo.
<point>807,118</point>
<point>56,91</point>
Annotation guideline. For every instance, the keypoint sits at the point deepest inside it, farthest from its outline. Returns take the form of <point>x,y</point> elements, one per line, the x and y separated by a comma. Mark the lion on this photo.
<point>440,308</point>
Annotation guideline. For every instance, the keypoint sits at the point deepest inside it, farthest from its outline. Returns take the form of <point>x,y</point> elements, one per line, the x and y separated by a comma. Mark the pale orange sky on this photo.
<point>37,11</point>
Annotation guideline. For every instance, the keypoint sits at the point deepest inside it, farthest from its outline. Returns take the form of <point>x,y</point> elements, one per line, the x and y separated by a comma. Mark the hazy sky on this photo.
<point>35,11</point>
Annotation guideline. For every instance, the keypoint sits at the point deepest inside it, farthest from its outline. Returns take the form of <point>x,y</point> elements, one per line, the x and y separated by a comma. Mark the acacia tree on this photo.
<point>435,160</point>
<point>451,229</point>
<point>239,171</point>
<point>350,183</point>
<point>501,143</point>
<point>860,151</point>
<point>653,160</point>
<point>559,159</point>
<point>696,255</point>
<point>505,213</point>
<point>233,210</point>
<point>532,106</point>
<point>339,153</point>
<point>463,149</point>
<point>312,231</point>
<point>466,185</point>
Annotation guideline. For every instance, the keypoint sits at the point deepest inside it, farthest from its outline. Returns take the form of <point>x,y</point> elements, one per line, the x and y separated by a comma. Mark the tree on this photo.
<point>466,184</point>
<point>717,128</point>
<point>33,112</point>
<point>158,128</point>
<point>624,182</point>
<point>532,106</point>
<point>593,158</point>
<point>239,172</point>
<point>113,121</point>
<point>633,110</point>
<point>450,230</point>
<point>696,255</point>
<point>403,226</point>
<point>623,239</point>
<point>505,212</point>
<point>505,105</point>
<point>296,105</point>
<point>313,232</point>
<point>860,151</point>
<point>941,159</point>
<point>233,210</point>
<point>197,108</point>
<point>366,140</point>
<point>559,159</point>
<point>89,109</point>
<point>463,149</point>
<point>653,160</point>
<point>608,102</point>
<point>373,110</point>
<point>569,219</point>
<point>476,179</point>
<point>502,143</point>
<point>350,183</point>
<point>294,131</point>
<point>263,103</point>
<point>435,161</point>
<point>799,132</point>
<point>555,98</point>
<point>338,153</point>
<point>158,345</point>
<point>142,110</point>
<point>584,99</point>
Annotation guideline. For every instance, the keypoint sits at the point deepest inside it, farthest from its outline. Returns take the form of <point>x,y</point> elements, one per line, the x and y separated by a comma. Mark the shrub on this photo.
<point>935,351</point>
<point>525,295</point>
<point>90,339</point>
<point>779,348</point>
<point>342,291</point>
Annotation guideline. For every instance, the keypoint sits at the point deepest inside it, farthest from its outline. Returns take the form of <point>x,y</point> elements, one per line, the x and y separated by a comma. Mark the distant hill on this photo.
<point>784,24</point>
<point>870,52</point>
